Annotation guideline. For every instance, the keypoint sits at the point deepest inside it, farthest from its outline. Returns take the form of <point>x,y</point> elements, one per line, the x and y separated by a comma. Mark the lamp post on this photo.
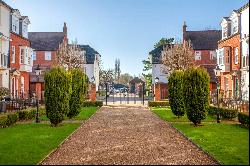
<point>217,71</point>
<point>38,72</point>
<point>156,82</point>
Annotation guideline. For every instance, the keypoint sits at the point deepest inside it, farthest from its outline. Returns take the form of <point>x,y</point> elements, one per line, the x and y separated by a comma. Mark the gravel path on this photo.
<point>127,135</point>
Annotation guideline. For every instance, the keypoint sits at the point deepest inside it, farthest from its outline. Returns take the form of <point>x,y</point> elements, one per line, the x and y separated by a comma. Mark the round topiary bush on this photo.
<point>57,94</point>
<point>196,94</point>
<point>175,88</point>
<point>78,94</point>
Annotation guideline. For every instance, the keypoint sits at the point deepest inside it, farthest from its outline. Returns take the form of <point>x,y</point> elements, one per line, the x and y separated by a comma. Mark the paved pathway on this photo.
<point>127,135</point>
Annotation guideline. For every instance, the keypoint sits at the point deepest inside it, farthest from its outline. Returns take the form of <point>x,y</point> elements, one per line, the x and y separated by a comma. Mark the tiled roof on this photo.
<point>156,55</point>
<point>90,53</point>
<point>136,80</point>
<point>210,70</point>
<point>243,7</point>
<point>45,41</point>
<point>6,5</point>
<point>204,40</point>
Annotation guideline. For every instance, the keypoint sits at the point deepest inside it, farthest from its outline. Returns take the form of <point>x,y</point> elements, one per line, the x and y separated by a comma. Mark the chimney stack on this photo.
<point>184,30</point>
<point>65,29</point>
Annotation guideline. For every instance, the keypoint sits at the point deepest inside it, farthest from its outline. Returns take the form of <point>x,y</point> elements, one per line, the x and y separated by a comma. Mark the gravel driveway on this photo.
<point>127,135</point>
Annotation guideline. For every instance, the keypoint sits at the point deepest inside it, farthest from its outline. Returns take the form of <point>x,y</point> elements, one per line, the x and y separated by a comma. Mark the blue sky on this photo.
<point>124,29</point>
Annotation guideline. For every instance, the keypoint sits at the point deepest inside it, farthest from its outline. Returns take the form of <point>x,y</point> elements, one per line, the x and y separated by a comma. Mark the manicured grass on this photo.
<point>85,113</point>
<point>30,143</point>
<point>227,142</point>
<point>166,114</point>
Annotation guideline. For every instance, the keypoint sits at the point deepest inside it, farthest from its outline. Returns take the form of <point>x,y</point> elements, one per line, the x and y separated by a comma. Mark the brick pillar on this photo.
<point>38,90</point>
<point>93,92</point>
<point>157,92</point>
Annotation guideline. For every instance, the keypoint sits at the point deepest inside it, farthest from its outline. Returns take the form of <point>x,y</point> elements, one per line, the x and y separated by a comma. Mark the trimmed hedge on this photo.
<point>158,103</point>
<point>196,90</point>
<point>175,88</point>
<point>79,93</point>
<point>29,114</point>
<point>57,94</point>
<point>7,120</point>
<point>92,104</point>
<point>243,118</point>
<point>225,113</point>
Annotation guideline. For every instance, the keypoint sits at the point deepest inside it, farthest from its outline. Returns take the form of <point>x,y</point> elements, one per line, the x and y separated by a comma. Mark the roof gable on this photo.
<point>46,41</point>
<point>16,13</point>
<point>90,53</point>
<point>25,19</point>
<point>204,40</point>
<point>156,54</point>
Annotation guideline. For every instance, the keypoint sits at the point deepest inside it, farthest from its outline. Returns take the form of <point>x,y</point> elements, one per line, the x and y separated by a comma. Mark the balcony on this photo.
<point>25,68</point>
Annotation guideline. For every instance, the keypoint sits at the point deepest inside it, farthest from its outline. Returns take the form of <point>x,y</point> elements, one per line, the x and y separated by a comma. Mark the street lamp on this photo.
<point>156,82</point>
<point>217,71</point>
<point>38,72</point>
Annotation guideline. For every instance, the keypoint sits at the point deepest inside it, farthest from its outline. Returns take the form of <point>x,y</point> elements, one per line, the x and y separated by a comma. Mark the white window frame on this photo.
<point>22,57</point>
<point>212,55</point>
<point>224,32</point>
<point>221,57</point>
<point>47,55</point>
<point>15,25</point>
<point>234,26</point>
<point>34,55</point>
<point>197,55</point>
<point>13,60</point>
<point>236,55</point>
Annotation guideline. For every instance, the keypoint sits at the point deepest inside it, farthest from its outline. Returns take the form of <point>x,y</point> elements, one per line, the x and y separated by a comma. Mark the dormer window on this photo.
<point>15,25</point>
<point>234,26</point>
<point>25,30</point>
<point>224,32</point>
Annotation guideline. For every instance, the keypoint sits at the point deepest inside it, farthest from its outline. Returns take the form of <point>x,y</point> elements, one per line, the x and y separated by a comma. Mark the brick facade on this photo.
<point>16,88</point>
<point>205,58</point>
<point>230,83</point>
<point>161,91</point>
<point>40,59</point>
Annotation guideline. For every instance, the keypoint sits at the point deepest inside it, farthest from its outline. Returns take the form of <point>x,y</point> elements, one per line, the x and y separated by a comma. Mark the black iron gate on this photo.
<point>122,98</point>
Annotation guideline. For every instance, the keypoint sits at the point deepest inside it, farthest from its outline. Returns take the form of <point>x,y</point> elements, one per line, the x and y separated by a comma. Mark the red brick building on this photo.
<point>204,44</point>
<point>45,45</point>
<point>20,55</point>
<point>228,56</point>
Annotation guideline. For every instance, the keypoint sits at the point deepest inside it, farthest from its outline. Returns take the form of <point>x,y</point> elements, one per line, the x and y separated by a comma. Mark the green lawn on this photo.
<point>227,142</point>
<point>85,113</point>
<point>166,114</point>
<point>30,143</point>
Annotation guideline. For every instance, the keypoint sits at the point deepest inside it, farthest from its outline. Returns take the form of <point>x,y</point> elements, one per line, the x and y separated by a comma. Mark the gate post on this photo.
<point>143,84</point>
<point>106,93</point>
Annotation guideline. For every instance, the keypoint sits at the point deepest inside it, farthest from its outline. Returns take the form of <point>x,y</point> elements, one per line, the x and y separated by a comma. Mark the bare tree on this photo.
<point>70,56</point>
<point>106,76</point>
<point>178,56</point>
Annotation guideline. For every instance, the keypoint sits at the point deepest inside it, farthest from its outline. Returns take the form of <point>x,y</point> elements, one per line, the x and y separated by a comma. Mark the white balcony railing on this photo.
<point>25,68</point>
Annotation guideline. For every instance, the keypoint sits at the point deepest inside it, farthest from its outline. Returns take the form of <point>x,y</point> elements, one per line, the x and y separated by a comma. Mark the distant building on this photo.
<point>91,67</point>
<point>45,45</point>
<point>204,44</point>
<point>4,44</point>
<point>21,53</point>
<point>159,71</point>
